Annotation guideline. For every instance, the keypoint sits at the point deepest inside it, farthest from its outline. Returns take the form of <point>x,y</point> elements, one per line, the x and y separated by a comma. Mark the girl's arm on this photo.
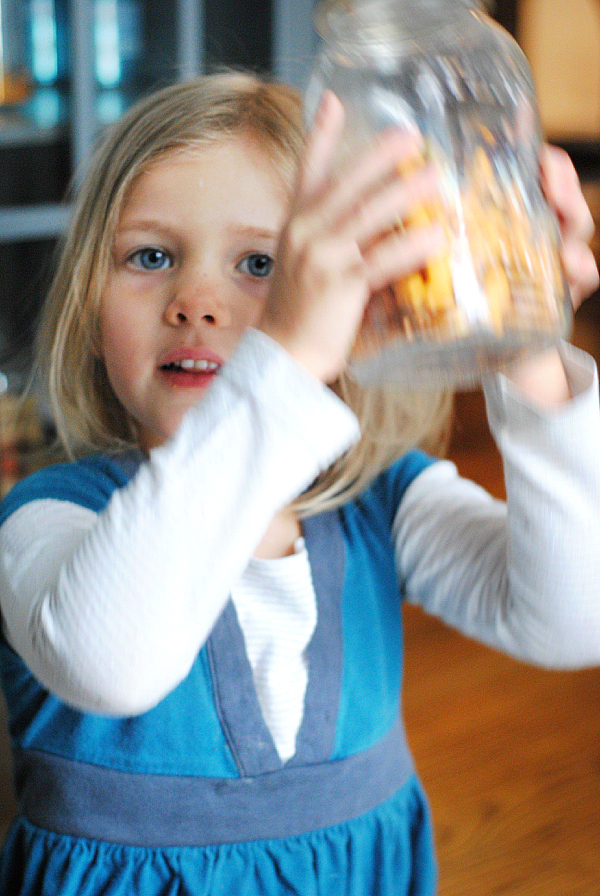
<point>109,610</point>
<point>522,577</point>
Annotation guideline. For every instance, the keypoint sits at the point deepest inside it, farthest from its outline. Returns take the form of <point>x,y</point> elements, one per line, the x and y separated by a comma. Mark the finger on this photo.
<point>391,204</point>
<point>398,255</point>
<point>562,188</point>
<point>365,199</point>
<point>581,270</point>
<point>321,145</point>
<point>369,172</point>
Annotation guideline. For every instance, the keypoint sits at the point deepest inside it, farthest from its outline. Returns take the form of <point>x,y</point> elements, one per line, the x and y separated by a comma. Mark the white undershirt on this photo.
<point>276,607</point>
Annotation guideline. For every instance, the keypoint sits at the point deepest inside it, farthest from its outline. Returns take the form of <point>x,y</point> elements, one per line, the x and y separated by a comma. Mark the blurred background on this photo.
<point>510,756</point>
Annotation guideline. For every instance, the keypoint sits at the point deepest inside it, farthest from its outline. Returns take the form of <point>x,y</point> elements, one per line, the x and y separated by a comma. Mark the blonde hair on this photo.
<point>87,413</point>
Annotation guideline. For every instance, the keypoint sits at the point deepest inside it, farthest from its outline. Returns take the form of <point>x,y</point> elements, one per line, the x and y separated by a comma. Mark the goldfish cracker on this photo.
<point>488,235</point>
<point>494,230</point>
<point>498,295</point>
<point>411,164</point>
<point>418,217</point>
<point>483,179</point>
<point>411,290</point>
<point>548,282</point>
<point>487,135</point>
<point>439,287</point>
<point>523,252</point>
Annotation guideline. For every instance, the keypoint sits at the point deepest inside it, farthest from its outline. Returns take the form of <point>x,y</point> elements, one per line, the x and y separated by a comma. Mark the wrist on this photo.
<point>541,378</point>
<point>313,359</point>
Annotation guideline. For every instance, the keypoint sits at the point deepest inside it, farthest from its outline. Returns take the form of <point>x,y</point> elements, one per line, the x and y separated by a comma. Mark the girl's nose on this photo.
<point>198,302</point>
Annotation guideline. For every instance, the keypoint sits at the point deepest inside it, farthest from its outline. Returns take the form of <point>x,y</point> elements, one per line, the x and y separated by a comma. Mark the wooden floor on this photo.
<point>509,755</point>
<point>510,759</point>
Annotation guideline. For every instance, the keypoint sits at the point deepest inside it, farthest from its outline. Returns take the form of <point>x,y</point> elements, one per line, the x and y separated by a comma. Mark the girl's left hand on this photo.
<point>543,377</point>
<point>563,192</point>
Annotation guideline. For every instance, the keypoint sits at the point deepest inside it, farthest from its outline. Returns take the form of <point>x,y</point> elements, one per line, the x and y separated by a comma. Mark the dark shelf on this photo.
<point>585,155</point>
<point>40,119</point>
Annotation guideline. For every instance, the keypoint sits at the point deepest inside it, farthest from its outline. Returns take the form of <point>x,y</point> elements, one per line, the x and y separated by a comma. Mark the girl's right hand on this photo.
<point>339,244</point>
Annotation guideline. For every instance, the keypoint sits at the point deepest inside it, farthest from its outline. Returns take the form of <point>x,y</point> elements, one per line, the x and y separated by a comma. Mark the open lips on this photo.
<point>190,367</point>
<point>200,364</point>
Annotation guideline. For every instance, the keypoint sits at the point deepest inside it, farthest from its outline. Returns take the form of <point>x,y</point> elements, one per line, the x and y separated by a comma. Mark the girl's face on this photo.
<point>190,271</point>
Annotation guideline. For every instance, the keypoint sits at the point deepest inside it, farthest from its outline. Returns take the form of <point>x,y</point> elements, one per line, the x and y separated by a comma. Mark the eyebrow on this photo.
<point>249,230</point>
<point>252,230</point>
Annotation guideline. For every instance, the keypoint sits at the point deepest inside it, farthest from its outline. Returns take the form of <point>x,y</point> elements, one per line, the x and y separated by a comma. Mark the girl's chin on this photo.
<point>154,437</point>
<point>150,438</point>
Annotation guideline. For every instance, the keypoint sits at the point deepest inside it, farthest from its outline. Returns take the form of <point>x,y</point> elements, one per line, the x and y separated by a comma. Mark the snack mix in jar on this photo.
<point>498,291</point>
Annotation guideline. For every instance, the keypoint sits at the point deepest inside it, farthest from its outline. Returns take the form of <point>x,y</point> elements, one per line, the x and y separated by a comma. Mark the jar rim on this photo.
<point>391,23</point>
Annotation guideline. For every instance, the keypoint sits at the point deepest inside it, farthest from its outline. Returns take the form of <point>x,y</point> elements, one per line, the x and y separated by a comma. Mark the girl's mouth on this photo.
<point>189,364</point>
<point>195,373</point>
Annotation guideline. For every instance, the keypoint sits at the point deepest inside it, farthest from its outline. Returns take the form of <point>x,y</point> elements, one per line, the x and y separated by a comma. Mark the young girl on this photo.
<point>202,668</point>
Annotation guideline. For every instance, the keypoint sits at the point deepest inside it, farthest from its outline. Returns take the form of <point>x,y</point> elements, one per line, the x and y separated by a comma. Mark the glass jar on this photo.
<point>447,69</point>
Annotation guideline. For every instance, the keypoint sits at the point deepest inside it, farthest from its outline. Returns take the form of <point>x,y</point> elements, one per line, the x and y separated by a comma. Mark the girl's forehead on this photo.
<point>217,151</point>
<point>236,170</point>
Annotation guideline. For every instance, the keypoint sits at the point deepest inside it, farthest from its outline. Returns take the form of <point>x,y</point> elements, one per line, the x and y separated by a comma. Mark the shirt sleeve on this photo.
<point>109,610</point>
<point>523,576</point>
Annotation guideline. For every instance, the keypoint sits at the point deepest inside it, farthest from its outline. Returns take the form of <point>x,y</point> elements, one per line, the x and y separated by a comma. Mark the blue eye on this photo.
<point>151,259</point>
<point>256,264</point>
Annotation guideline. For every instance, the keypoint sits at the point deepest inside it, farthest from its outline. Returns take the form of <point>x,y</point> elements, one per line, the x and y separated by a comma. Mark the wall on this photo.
<point>562,42</point>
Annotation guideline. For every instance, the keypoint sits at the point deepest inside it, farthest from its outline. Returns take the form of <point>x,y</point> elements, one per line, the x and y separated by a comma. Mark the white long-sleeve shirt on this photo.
<point>109,610</point>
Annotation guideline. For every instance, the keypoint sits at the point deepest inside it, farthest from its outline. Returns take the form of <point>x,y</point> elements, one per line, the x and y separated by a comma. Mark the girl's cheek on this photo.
<point>255,287</point>
<point>117,327</point>
<point>255,296</point>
